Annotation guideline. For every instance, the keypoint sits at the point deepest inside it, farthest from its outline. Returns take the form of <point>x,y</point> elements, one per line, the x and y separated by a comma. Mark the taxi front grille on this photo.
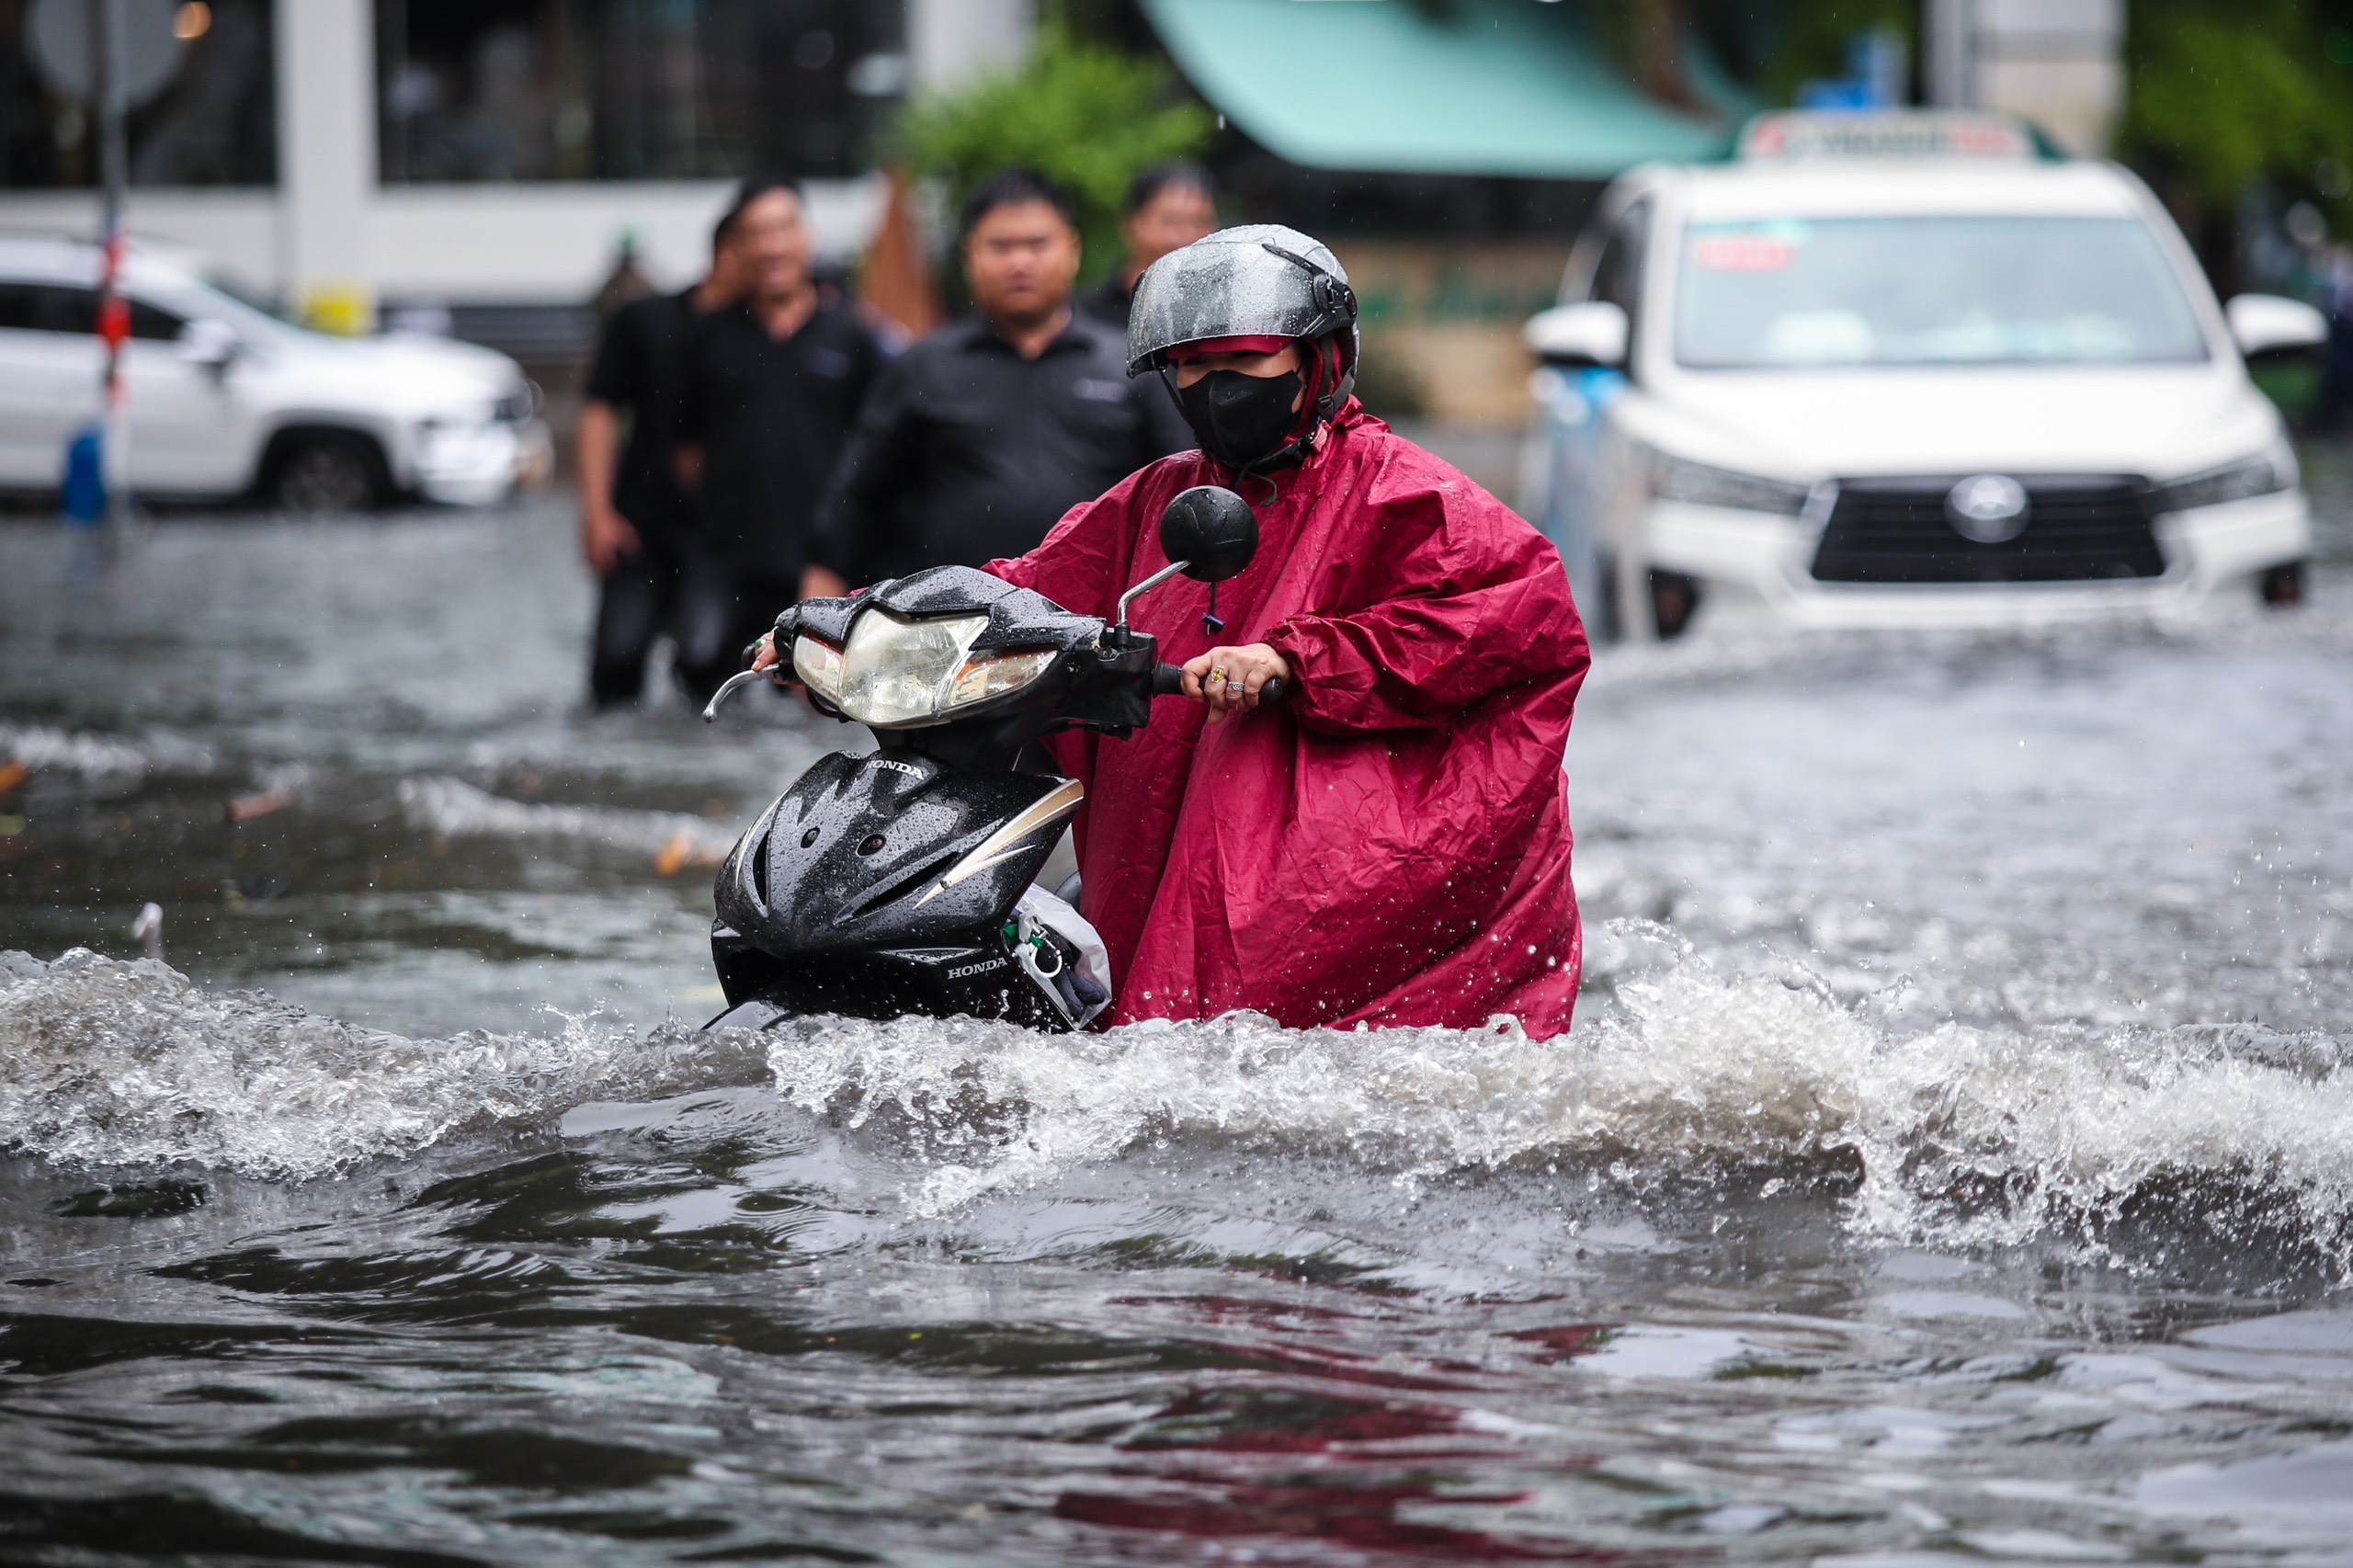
<point>2077,529</point>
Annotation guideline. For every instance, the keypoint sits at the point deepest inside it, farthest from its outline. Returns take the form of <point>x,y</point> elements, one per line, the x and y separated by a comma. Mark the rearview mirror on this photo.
<point>2266,323</point>
<point>1212,530</point>
<point>1582,336</point>
<point>209,344</point>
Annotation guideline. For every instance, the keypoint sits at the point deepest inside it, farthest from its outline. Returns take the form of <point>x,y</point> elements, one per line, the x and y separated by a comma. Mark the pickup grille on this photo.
<point>2079,529</point>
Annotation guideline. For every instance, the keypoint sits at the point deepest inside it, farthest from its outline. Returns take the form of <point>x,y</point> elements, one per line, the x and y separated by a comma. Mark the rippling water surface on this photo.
<point>1953,1162</point>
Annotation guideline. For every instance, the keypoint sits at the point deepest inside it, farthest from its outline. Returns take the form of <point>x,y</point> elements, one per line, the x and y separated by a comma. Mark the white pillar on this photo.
<point>951,40</point>
<point>1950,71</point>
<point>326,159</point>
<point>2058,63</point>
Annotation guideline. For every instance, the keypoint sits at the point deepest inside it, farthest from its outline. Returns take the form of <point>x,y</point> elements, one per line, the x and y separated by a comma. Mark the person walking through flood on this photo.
<point>983,435</point>
<point>1390,845</point>
<point>636,528</point>
<point>774,385</point>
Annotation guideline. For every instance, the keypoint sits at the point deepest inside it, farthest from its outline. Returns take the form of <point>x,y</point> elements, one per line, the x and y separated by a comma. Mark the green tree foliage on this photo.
<point>1091,116</point>
<point>2225,93</point>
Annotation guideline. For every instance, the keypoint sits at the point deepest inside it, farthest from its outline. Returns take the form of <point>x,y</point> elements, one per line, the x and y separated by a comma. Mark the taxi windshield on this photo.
<point>1929,291</point>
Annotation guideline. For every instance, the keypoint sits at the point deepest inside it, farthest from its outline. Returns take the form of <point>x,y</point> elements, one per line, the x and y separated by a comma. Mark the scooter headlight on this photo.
<point>902,675</point>
<point>993,675</point>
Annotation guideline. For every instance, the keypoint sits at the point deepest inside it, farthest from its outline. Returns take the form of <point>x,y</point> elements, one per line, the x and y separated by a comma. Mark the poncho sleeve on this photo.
<point>1462,600</point>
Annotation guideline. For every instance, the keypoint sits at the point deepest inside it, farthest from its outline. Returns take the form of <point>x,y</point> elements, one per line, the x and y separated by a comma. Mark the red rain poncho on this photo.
<point>1389,846</point>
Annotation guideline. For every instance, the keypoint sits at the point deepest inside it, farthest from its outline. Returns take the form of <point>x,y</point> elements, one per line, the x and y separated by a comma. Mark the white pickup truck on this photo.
<point>228,402</point>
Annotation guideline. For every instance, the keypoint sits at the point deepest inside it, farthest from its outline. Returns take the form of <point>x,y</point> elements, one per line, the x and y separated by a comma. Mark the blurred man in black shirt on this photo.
<point>1169,206</point>
<point>636,529</point>
<point>774,385</point>
<point>981,437</point>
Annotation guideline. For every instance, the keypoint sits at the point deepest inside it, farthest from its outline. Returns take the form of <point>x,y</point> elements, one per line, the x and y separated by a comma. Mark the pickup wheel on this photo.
<point>327,472</point>
<point>2282,587</point>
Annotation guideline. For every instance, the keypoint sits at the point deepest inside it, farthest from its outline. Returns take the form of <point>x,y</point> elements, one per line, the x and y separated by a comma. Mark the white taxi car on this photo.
<point>227,402</point>
<point>1906,369</point>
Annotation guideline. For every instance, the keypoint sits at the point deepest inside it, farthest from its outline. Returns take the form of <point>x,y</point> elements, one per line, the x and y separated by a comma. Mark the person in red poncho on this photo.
<point>1390,845</point>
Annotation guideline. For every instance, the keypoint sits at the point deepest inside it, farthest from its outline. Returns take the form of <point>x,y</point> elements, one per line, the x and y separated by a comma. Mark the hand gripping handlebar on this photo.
<point>1168,680</point>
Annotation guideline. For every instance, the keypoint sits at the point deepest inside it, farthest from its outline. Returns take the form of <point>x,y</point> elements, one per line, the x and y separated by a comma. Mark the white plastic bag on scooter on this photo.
<point>1094,964</point>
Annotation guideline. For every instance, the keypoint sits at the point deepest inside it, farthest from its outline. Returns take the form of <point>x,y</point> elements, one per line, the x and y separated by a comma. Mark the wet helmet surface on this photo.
<point>1259,280</point>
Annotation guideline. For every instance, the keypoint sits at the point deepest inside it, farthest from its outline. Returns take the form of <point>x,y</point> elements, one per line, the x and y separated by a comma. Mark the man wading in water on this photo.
<point>1390,844</point>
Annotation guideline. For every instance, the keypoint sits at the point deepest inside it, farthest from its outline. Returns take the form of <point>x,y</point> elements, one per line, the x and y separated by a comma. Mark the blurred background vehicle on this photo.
<point>1904,370</point>
<point>227,402</point>
<point>475,171</point>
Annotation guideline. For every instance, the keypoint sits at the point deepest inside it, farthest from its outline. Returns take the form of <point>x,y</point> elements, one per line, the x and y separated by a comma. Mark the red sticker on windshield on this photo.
<point>1742,253</point>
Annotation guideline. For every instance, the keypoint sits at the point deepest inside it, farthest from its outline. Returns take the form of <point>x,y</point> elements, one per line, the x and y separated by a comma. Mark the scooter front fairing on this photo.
<point>891,880</point>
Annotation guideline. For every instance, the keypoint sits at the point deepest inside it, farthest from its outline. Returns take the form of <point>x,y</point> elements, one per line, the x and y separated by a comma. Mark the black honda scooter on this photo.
<point>899,882</point>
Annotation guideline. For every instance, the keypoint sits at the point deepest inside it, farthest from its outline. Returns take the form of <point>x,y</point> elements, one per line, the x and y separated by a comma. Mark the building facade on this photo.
<point>344,156</point>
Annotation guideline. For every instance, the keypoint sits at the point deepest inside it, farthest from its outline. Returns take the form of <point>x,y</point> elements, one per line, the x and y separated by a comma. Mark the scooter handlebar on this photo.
<point>1168,680</point>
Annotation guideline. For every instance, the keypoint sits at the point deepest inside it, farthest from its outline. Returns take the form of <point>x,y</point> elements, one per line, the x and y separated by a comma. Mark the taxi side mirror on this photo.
<point>2268,325</point>
<point>210,345</point>
<point>1582,336</point>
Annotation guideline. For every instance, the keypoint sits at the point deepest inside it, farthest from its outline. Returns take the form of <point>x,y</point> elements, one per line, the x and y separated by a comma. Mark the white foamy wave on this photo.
<point>66,751</point>
<point>130,1063</point>
<point>455,808</point>
<point>1957,1136</point>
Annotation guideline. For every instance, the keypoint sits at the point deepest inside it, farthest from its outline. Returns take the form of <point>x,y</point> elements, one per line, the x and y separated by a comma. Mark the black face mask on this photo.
<point>1240,419</point>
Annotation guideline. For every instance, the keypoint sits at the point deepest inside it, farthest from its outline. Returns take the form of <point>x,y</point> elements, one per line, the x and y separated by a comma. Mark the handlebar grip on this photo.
<point>1168,680</point>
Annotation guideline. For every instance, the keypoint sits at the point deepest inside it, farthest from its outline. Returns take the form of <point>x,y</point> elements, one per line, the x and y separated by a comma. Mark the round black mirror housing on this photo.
<point>1211,530</point>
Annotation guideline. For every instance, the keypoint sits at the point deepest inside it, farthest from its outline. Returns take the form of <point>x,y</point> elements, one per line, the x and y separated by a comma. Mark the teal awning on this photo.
<point>1408,86</point>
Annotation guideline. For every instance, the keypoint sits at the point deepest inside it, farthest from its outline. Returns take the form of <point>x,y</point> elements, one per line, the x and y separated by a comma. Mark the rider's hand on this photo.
<point>766,657</point>
<point>1228,678</point>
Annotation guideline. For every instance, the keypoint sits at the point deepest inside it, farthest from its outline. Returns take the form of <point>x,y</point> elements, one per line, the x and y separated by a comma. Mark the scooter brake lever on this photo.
<point>711,711</point>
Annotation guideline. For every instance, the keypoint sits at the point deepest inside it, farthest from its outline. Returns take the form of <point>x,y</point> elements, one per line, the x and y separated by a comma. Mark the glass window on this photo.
<point>15,307</point>
<point>154,322</point>
<point>61,307</point>
<point>215,123</point>
<point>48,307</point>
<point>1942,291</point>
<point>634,89</point>
<point>1618,273</point>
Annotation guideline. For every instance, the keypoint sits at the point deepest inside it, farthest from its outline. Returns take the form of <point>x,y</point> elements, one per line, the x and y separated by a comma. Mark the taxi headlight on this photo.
<point>1703,484</point>
<point>2271,470</point>
<point>899,674</point>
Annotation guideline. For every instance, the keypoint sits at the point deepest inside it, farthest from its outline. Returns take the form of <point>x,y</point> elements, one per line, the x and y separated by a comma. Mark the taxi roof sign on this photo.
<point>1913,133</point>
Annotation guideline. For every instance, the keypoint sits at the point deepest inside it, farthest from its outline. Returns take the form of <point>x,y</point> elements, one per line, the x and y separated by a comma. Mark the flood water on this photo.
<point>1952,1163</point>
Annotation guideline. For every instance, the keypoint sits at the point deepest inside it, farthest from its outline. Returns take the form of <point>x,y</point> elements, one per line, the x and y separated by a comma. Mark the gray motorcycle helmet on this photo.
<point>1259,280</point>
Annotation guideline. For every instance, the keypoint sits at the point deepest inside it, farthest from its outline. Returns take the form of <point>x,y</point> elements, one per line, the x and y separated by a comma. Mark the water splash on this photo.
<point>1952,1137</point>
<point>130,1064</point>
<point>96,758</point>
<point>1691,1072</point>
<point>455,808</point>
